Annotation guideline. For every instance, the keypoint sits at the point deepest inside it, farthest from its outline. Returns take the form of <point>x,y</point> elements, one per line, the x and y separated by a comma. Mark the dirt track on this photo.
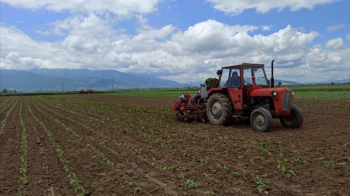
<point>128,146</point>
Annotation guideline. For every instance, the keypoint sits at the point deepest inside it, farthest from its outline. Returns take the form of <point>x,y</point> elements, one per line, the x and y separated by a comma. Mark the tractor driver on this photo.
<point>184,98</point>
<point>195,98</point>
<point>235,79</point>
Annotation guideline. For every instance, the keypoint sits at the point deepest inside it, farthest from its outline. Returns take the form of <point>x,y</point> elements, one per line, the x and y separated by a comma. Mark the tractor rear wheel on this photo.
<point>261,120</point>
<point>219,109</point>
<point>295,120</point>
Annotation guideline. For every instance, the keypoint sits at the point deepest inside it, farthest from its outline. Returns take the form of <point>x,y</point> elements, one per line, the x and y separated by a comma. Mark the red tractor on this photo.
<point>244,91</point>
<point>81,91</point>
<point>87,91</point>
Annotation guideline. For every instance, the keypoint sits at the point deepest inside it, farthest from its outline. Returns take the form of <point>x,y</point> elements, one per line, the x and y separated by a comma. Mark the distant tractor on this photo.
<point>250,96</point>
<point>87,91</point>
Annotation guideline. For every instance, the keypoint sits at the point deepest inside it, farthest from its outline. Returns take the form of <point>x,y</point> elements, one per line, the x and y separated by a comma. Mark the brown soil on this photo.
<point>114,145</point>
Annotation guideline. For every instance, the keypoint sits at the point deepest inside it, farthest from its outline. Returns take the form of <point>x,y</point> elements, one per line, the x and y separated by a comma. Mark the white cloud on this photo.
<point>44,33</point>
<point>119,7</point>
<point>335,27</point>
<point>335,43</point>
<point>320,61</point>
<point>348,36</point>
<point>266,27</point>
<point>190,55</point>
<point>208,36</point>
<point>238,6</point>
<point>218,40</point>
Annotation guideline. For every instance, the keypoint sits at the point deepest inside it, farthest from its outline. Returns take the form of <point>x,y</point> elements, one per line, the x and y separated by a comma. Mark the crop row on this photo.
<point>152,138</point>
<point>178,133</point>
<point>61,155</point>
<point>82,137</point>
<point>6,115</point>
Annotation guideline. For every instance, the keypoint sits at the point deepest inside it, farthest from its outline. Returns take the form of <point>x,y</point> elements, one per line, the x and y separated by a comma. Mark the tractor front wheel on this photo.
<point>295,120</point>
<point>219,109</point>
<point>261,120</point>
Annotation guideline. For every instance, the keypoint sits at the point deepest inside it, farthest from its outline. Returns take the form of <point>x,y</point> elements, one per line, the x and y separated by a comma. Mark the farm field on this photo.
<point>112,144</point>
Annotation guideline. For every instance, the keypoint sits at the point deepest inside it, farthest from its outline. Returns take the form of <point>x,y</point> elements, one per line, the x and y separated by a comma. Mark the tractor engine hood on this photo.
<point>270,92</point>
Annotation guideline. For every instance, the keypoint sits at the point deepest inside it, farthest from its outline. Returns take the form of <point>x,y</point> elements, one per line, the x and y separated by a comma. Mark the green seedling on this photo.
<point>137,151</point>
<point>246,144</point>
<point>264,149</point>
<point>138,190</point>
<point>282,153</point>
<point>203,160</point>
<point>318,150</point>
<point>299,159</point>
<point>181,175</point>
<point>252,160</point>
<point>279,142</point>
<point>191,184</point>
<point>282,167</point>
<point>209,193</point>
<point>320,180</point>
<point>227,152</point>
<point>117,169</point>
<point>225,168</point>
<point>259,183</point>
<point>163,145</point>
<point>154,162</point>
<point>330,165</point>
<point>185,153</point>
<point>238,174</point>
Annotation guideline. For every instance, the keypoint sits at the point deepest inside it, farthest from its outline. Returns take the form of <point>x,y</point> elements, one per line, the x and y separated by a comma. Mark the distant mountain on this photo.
<point>76,79</point>
<point>339,81</point>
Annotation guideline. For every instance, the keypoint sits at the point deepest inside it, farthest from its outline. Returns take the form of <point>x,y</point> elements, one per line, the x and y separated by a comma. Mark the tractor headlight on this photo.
<point>274,93</point>
<point>292,92</point>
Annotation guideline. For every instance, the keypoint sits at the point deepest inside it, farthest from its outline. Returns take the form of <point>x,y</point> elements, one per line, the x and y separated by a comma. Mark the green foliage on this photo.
<point>209,193</point>
<point>259,183</point>
<point>318,150</point>
<point>320,88</point>
<point>211,80</point>
<point>283,168</point>
<point>330,164</point>
<point>211,149</point>
<point>238,174</point>
<point>252,160</point>
<point>191,184</point>
<point>264,149</point>
<point>181,175</point>
<point>281,153</point>
<point>138,190</point>
<point>299,159</point>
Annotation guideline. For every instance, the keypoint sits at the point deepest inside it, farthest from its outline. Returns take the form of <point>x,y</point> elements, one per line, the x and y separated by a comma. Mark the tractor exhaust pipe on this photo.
<point>272,78</point>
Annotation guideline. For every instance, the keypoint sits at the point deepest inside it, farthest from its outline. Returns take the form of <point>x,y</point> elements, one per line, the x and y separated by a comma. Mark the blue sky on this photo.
<point>184,41</point>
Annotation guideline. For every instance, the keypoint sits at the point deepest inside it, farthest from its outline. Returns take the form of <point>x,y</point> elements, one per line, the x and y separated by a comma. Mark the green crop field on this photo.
<point>336,91</point>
